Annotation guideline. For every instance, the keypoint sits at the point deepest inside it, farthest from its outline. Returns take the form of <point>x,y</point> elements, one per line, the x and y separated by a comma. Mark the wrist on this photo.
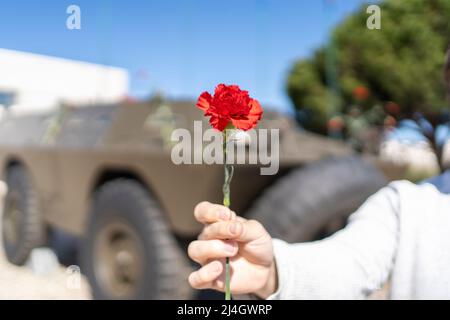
<point>271,284</point>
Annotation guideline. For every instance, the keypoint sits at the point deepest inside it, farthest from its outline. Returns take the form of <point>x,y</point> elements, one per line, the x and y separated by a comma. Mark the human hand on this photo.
<point>245,242</point>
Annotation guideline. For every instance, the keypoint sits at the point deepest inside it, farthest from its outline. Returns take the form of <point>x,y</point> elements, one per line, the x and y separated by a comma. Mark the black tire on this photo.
<point>314,201</point>
<point>126,204</point>
<point>22,225</point>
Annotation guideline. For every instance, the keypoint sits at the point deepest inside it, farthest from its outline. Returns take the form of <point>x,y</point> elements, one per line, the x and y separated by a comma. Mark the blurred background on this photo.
<point>316,65</point>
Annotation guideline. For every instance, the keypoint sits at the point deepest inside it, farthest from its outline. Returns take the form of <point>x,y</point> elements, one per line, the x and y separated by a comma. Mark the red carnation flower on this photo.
<point>230,103</point>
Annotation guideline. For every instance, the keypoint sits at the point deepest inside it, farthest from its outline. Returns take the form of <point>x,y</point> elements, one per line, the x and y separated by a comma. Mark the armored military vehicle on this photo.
<point>104,174</point>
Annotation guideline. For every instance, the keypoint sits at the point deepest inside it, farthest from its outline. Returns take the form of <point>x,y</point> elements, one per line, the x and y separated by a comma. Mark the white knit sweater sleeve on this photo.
<point>350,264</point>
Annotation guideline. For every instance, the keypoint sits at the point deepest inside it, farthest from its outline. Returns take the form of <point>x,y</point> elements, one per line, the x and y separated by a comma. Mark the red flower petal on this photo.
<point>204,101</point>
<point>256,111</point>
<point>218,123</point>
<point>253,117</point>
<point>242,124</point>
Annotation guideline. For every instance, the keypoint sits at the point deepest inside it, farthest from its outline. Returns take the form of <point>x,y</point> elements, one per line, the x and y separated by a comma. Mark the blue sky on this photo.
<point>180,47</point>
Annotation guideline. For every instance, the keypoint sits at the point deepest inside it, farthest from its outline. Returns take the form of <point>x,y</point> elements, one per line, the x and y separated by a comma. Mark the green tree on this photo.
<point>402,62</point>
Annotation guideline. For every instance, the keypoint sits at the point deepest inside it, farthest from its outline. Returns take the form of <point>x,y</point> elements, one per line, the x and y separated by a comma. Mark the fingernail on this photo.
<point>235,228</point>
<point>223,214</point>
<point>230,247</point>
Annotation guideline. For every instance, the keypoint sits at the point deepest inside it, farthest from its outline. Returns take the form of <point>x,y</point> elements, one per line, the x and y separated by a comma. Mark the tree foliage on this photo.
<point>402,62</point>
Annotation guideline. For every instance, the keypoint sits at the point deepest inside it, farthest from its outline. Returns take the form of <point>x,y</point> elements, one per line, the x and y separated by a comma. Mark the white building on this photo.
<point>35,83</point>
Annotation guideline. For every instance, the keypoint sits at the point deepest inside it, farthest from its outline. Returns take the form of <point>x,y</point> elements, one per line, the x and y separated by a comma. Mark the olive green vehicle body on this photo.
<point>71,152</point>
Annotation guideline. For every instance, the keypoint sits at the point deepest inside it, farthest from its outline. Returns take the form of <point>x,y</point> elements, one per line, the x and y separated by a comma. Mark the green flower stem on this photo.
<point>228,170</point>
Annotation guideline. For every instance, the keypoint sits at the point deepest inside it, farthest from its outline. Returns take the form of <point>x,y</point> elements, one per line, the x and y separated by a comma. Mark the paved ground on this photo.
<point>23,283</point>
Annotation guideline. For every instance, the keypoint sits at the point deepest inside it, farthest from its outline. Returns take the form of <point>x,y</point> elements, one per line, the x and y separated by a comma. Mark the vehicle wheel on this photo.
<point>314,201</point>
<point>128,252</point>
<point>22,225</point>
